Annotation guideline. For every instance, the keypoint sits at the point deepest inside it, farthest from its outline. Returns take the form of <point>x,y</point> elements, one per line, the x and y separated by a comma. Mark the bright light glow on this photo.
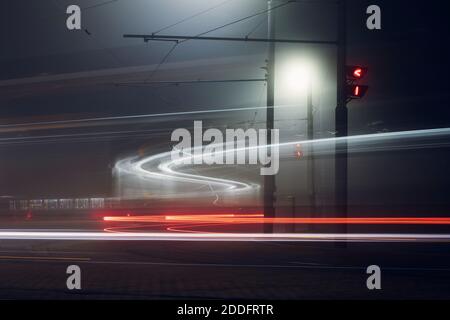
<point>297,73</point>
<point>357,73</point>
<point>295,77</point>
<point>357,91</point>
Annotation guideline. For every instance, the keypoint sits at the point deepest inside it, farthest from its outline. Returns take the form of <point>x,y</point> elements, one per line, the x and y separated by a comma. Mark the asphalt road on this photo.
<point>168,270</point>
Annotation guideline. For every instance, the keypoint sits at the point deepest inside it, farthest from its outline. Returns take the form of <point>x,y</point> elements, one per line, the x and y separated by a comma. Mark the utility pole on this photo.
<point>269,180</point>
<point>310,160</point>
<point>341,120</point>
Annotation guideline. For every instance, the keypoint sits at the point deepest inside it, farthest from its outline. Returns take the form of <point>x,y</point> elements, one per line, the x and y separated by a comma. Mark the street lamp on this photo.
<point>294,79</point>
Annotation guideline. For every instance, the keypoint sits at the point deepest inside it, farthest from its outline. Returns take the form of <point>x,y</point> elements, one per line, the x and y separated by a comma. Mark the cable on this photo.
<point>209,31</point>
<point>264,19</point>
<point>193,16</point>
<point>99,4</point>
<point>177,42</point>
<point>163,60</point>
<point>243,19</point>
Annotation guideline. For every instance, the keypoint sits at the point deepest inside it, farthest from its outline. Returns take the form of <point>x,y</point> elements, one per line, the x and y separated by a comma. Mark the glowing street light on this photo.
<point>295,78</point>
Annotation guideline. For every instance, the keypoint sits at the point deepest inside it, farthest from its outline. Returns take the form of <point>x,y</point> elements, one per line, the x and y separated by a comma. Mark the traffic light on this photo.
<point>356,72</point>
<point>355,90</point>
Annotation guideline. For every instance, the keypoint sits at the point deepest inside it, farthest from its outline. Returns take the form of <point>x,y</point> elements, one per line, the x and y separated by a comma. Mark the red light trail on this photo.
<point>259,219</point>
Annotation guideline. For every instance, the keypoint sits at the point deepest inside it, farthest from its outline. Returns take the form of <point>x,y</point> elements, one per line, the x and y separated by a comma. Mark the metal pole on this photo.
<point>310,159</point>
<point>341,121</point>
<point>269,181</point>
<point>175,38</point>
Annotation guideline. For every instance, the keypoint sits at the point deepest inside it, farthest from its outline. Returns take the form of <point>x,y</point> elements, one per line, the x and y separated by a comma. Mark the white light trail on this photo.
<point>162,167</point>
<point>223,237</point>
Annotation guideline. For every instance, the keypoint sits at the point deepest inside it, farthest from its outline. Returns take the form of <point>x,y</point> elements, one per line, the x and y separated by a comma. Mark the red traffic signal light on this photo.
<point>356,91</point>
<point>356,72</point>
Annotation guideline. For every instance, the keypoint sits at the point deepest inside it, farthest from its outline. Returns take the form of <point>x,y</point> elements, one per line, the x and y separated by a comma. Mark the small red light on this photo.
<point>298,151</point>
<point>357,73</point>
<point>356,91</point>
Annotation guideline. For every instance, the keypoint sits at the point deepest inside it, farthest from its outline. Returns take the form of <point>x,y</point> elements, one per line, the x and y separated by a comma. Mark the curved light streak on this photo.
<point>162,167</point>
